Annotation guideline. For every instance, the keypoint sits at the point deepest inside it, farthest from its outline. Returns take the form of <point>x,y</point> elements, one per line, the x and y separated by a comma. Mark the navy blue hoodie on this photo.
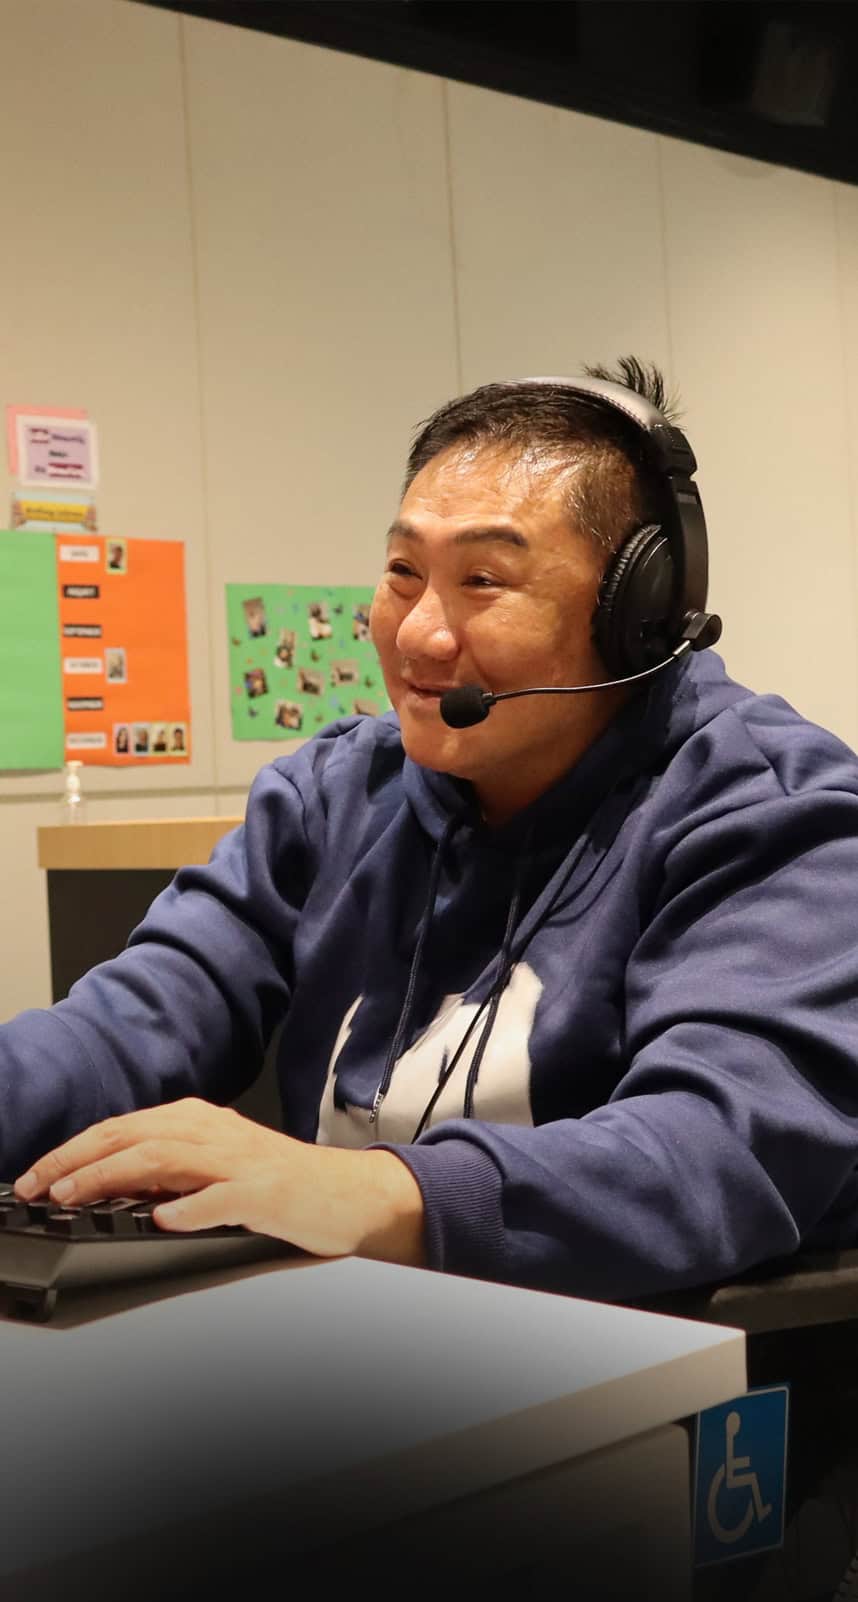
<point>622,1027</point>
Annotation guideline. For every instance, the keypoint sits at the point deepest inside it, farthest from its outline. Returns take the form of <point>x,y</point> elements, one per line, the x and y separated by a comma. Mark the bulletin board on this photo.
<point>300,657</point>
<point>93,651</point>
<point>124,650</point>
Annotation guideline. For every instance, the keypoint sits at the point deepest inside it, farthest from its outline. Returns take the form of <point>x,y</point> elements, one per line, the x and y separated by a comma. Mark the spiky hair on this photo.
<point>645,379</point>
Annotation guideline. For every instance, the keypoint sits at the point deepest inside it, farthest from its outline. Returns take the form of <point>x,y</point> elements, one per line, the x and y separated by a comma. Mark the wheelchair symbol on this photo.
<point>732,1474</point>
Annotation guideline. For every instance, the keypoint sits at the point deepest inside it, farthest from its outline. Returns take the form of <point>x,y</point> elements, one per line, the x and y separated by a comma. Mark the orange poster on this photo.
<point>124,650</point>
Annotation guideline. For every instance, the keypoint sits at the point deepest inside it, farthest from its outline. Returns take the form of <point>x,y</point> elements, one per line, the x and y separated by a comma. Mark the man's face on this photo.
<point>487,583</point>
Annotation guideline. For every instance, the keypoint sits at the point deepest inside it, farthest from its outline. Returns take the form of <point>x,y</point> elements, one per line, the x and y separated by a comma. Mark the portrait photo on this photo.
<point>310,683</point>
<point>115,666</point>
<point>255,617</point>
<point>319,614</point>
<point>284,656</point>
<point>289,715</point>
<point>345,672</point>
<point>255,683</point>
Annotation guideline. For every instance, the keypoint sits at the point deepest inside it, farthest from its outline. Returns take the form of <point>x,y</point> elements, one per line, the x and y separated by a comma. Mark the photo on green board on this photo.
<point>300,657</point>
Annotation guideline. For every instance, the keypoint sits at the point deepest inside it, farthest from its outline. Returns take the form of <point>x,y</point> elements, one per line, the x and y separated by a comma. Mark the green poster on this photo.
<point>300,656</point>
<point>31,701</point>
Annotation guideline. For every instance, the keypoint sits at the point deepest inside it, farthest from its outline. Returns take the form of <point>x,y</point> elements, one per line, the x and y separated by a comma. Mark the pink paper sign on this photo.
<point>62,413</point>
<point>52,450</point>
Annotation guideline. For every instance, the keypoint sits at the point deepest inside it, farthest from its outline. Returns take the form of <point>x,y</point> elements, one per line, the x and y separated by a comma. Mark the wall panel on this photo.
<point>326,310</point>
<point>558,238</point>
<point>757,334</point>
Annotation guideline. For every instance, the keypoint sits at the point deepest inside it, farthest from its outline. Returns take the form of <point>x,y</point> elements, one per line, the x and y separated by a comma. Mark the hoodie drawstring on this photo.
<point>401,1032</point>
<point>504,972</point>
<point>506,963</point>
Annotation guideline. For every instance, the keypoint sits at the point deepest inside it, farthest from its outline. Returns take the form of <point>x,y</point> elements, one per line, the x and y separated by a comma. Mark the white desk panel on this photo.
<point>346,1391</point>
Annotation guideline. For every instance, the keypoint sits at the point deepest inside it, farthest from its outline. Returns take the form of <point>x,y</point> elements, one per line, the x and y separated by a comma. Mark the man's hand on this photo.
<point>226,1170</point>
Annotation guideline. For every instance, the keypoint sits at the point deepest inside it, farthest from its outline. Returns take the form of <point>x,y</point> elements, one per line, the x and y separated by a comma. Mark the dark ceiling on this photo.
<point>775,79</point>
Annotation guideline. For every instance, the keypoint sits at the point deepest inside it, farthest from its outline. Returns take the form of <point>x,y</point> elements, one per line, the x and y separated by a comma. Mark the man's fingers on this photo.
<point>191,1120</point>
<point>78,1152</point>
<point>173,1165</point>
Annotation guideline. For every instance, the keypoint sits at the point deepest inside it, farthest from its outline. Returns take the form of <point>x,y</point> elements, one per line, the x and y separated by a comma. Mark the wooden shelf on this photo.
<point>143,843</point>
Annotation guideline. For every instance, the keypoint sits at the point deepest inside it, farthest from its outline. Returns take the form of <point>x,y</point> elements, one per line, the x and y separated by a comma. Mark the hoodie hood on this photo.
<point>641,739</point>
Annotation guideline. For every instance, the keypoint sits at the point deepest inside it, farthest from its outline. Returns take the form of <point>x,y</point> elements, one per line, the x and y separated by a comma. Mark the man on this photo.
<point>569,998</point>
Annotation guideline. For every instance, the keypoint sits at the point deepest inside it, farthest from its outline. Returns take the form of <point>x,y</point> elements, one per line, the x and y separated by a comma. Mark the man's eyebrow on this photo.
<point>483,535</point>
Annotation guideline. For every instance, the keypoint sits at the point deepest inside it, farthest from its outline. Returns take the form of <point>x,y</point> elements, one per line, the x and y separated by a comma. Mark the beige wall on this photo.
<point>259,264</point>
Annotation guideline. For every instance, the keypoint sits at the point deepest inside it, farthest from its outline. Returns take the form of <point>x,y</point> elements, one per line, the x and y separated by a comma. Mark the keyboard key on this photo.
<point>74,1222</point>
<point>145,1222</point>
<point>116,1217</point>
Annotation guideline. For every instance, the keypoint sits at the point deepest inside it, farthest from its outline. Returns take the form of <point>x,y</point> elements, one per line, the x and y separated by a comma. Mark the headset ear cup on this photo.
<point>604,618</point>
<point>634,600</point>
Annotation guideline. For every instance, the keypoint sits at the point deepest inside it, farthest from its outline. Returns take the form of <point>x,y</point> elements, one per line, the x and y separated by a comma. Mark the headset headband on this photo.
<point>670,454</point>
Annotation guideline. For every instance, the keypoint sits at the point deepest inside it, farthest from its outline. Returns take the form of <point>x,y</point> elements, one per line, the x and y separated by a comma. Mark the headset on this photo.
<point>651,606</point>
<point>653,592</point>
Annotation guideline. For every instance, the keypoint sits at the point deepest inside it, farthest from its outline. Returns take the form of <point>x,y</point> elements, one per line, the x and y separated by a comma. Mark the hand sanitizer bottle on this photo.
<point>73,804</point>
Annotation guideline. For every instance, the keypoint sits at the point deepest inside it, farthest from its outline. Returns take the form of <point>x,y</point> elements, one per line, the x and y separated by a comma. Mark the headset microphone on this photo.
<point>468,704</point>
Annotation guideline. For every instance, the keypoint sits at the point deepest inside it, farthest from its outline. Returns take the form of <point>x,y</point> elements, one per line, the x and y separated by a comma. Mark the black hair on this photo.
<point>613,488</point>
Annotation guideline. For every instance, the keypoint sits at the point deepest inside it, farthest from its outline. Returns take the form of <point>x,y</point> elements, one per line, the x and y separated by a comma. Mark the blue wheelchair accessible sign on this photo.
<point>740,1476</point>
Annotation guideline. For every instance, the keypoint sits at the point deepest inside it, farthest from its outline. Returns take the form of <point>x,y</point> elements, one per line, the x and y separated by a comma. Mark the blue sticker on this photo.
<point>740,1476</point>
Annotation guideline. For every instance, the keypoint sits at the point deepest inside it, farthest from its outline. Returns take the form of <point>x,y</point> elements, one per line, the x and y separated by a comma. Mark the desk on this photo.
<point>388,1423</point>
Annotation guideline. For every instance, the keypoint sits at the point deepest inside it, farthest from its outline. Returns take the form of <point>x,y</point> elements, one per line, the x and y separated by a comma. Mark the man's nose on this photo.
<point>426,630</point>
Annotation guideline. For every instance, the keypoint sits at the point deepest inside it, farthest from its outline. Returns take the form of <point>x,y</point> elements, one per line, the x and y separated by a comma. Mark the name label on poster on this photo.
<point>80,592</point>
<point>83,664</point>
<point>79,553</point>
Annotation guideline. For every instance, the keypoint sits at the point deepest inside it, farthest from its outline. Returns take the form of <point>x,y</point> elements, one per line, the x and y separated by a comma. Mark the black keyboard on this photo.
<point>45,1248</point>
